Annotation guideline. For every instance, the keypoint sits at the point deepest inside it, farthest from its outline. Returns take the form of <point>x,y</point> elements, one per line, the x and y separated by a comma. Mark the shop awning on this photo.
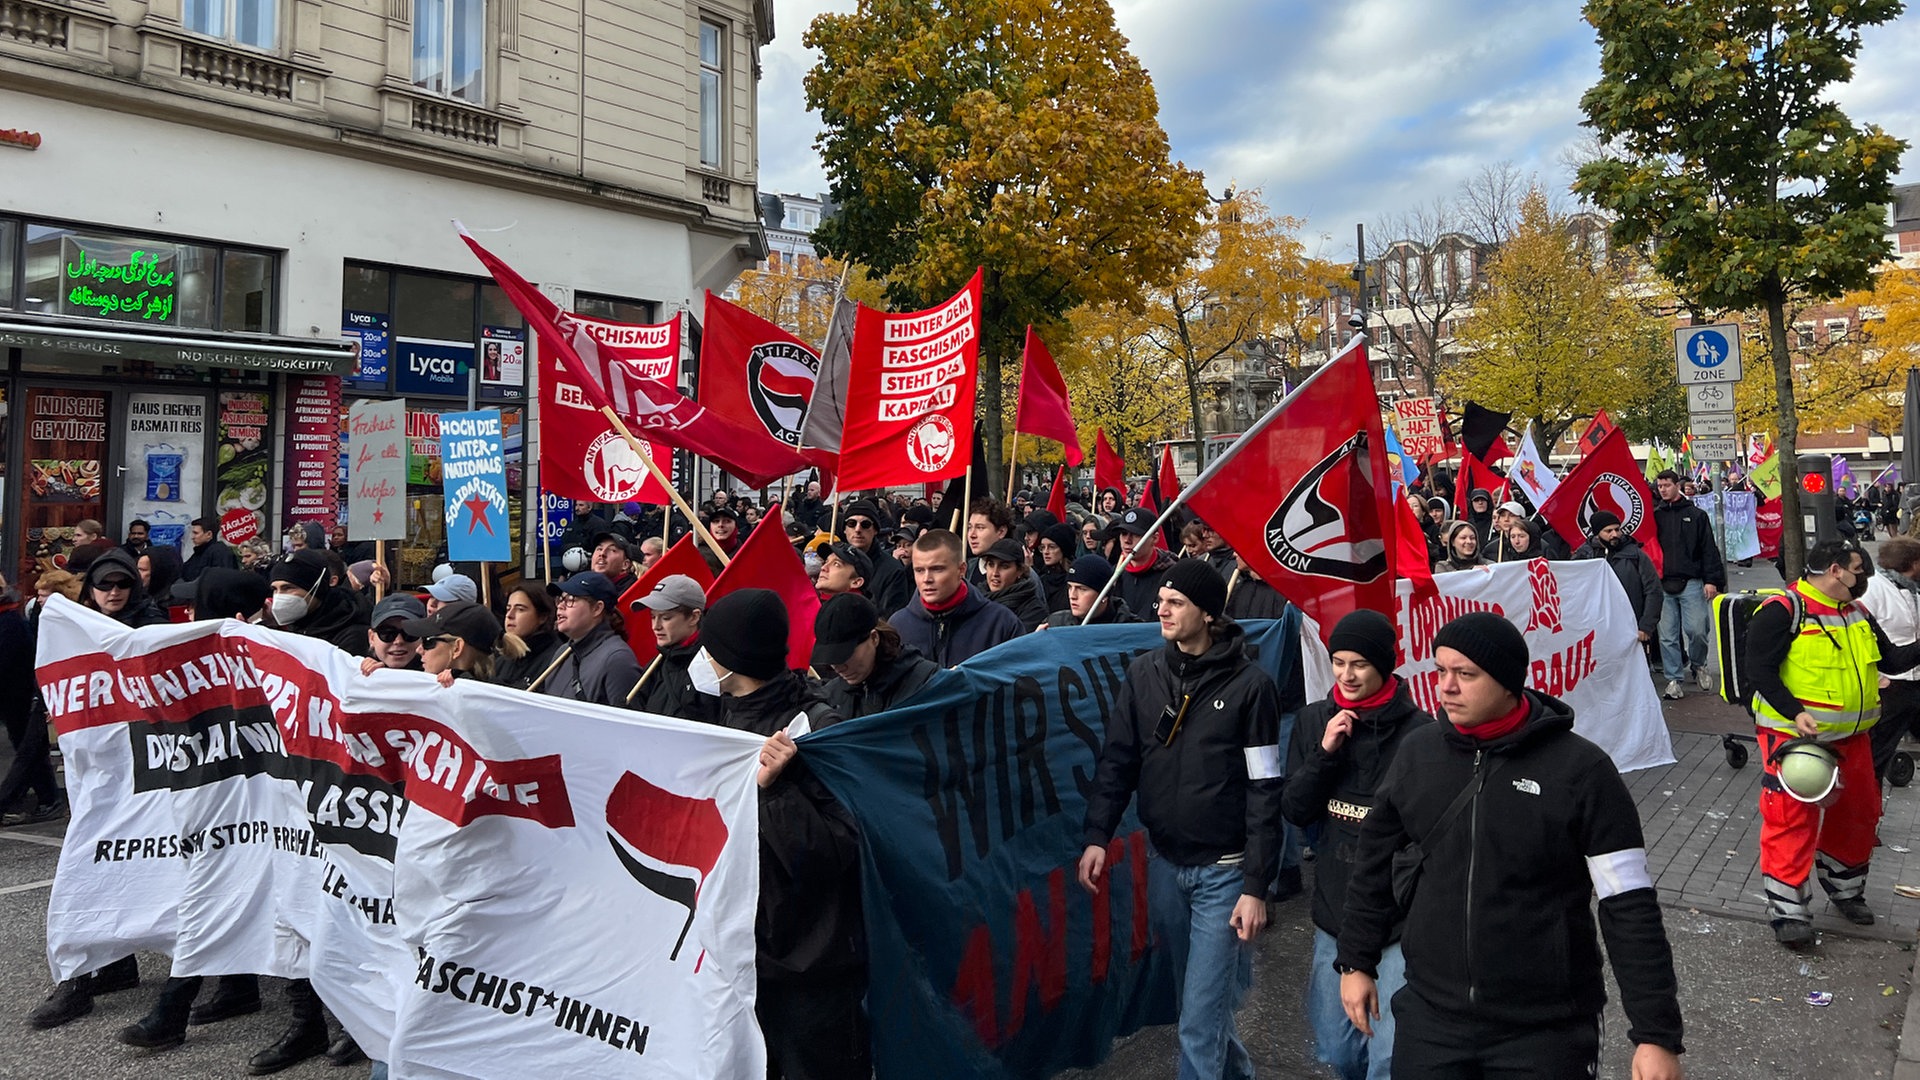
<point>288,355</point>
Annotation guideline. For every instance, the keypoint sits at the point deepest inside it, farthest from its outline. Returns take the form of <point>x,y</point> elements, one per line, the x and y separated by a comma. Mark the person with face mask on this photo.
<point>812,962</point>
<point>674,609</point>
<point>305,604</point>
<point>1631,564</point>
<point>390,644</point>
<point>594,662</point>
<point>873,669</point>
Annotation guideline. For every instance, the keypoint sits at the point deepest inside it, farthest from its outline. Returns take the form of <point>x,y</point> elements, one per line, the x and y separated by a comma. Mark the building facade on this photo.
<point>223,220</point>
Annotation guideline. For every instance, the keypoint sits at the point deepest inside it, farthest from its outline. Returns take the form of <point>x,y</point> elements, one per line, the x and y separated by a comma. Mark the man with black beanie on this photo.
<point>809,935</point>
<point>1516,825</point>
<point>1338,753</point>
<point>891,585</point>
<point>1194,731</point>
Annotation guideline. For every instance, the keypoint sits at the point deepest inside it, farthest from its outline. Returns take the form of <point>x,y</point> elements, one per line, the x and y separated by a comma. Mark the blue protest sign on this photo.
<point>473,478</point>
<point>427,366</point>
<point>370,330</point>
<point>987,958</point>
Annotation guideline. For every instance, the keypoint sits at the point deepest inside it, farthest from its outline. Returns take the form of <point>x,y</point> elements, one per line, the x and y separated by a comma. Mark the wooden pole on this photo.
<point>665,482</point>
<point>546,546</point>
<point>564,653</point>
<point>380,561</point>
<point>644,676</point>
<point>1013,464</point>
<point>833,529</point>
<point>1232,581</point>
<point>486,586</point>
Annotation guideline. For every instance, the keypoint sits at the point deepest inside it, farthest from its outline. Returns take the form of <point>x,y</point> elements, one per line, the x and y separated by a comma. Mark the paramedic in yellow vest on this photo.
<point>1820,679</point>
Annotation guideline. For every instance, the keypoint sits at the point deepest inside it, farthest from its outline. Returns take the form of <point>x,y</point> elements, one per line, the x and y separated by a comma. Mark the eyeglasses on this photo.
<point>389,633</point>
<point>860,523</point>
<point>114,584</point>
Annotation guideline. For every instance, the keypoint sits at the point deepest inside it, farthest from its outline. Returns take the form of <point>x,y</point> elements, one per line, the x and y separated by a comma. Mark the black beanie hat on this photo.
<point>1600,519</point>
<point>1368,633</point>
<point>1493,644</point>
<point>1198,581</point>
<point>746,631</point>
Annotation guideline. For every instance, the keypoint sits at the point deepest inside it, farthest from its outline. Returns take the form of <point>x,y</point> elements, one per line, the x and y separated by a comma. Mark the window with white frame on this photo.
<point>1803,335</point>
<point>1836,331</point>
<point>450,48</point>
<point>244,22</point>
<point>1462,269</point>
<point>713,41</point>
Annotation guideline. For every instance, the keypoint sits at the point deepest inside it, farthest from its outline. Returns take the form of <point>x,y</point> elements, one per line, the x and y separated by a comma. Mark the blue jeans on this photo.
<point>1336,1041</point>
<point>379,1071</point>
<point>1189,908</point>
<point>1686,611</point>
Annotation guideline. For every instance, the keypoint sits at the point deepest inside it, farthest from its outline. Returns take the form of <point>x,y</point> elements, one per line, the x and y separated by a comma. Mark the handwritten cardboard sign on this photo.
<point>377,470</point>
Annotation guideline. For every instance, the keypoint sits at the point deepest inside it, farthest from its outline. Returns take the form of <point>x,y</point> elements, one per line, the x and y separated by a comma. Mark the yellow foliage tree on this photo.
<point>798,296</point>
<point>1117,380</point>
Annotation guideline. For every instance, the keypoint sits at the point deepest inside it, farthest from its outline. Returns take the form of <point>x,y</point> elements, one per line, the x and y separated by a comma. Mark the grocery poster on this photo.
<point>313,450</point>
<point>242,461</point>
<point>165,464</point>
<point>65,449</point>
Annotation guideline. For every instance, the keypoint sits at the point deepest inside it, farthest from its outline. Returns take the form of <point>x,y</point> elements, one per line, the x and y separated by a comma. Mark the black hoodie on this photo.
<point>889,684</point>
<point>140,609</point>
<point>670,692</point>
<point>1501,925</point>
<point>1024,600</point>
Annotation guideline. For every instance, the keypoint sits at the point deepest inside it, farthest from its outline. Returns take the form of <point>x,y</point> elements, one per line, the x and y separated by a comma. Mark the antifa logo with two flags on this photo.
<point>1309,532</point>
<point>669,843</point>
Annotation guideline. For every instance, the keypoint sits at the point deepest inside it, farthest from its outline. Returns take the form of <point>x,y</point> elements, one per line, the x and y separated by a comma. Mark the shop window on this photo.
<point>243,22</point>
<point>365,288</point>
<point>246,292</point>
<point>142,281</point>
<point>449,48</point>
<point>9,260</point>
<point>433,307</point>
<point>616,308</point>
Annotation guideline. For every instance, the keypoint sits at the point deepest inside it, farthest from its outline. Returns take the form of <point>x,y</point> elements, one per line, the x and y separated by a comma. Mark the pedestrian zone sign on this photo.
<point>1707,354</point>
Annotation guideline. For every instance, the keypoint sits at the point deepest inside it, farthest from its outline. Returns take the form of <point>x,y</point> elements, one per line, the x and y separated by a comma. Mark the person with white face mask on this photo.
<point>303,603</point>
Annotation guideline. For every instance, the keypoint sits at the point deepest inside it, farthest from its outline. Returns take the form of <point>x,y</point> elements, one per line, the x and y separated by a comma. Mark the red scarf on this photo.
<point>1505,725</point>
<point>1379,698</point>
<point>952,601</point>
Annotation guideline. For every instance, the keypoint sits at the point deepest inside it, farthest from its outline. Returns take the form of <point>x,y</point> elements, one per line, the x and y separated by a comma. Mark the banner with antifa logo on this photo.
<point>581,456</point>
<point>910,394</point>
<point>1606,480</point>
<point>479,881</point>
<point>988,959</point>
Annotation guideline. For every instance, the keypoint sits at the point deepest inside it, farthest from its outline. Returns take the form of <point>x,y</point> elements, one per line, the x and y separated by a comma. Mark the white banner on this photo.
<point>1581,638</point>
<point>480,882</point>
<point>1530,472</point>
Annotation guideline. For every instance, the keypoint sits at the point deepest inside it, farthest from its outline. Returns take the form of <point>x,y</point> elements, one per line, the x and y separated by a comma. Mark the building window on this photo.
<point>1803,335</point>
<point>243,22</point>
<point>616,308</point>
<point>142,280</point>
<point>9,258</point>
<point>449,48</point>
<point>712,92</point>
<point>1836,331</point>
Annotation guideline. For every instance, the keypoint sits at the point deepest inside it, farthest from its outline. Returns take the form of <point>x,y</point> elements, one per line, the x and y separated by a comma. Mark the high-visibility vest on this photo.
<point>1832,667</point>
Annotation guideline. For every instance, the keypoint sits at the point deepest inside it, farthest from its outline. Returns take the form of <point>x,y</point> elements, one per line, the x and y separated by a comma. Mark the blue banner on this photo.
<point>370,330</point>
<point>473,478</point>
<point>988,959</point>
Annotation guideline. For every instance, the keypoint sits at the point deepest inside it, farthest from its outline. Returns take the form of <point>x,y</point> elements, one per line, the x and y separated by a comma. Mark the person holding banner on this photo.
<point>1491,835</point>
<point>305,604</point>
<point>594,663</point>
<point>1338,755</point>
<point>1630,564</point>
<point>1194,731</point>
<point>674,608</point>
<point>389,644</point>
<point>811,939</point>
<point>462,641</point>
<point>873,669</point>
<point>529,618</point>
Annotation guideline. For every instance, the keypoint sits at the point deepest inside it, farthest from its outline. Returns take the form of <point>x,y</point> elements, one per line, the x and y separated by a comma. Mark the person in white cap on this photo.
<point>449,589</point>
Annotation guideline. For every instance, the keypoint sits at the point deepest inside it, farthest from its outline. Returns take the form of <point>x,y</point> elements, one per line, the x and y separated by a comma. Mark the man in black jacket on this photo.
<point>949,620</point>
<point>1146,565</point>
<point>209,551</point>
<point>809,935</point>
<point>1003,566</point>
<point>1339,751</point>
<point>1631,565</point>
<point>1503,969</point>
<point>1089,575</point>
<point>674,608</point>
<point>1195,731</point>
<point>873,669</point>
<point>891,585</point>
<point>1692,575</point>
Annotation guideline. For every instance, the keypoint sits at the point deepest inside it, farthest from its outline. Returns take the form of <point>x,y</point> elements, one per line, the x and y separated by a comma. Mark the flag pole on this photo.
<point>1219,463</point>
<point>546,545</point>
<point>645,675</point>
<point>1013,464</point>
<point>679,501</point>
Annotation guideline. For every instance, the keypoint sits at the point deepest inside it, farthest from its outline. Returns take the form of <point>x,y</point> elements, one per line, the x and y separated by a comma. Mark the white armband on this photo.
<point>1619,871</point>
<point>1263,762</point>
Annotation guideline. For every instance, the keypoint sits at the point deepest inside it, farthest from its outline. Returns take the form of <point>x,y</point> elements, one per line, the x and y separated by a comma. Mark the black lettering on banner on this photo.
<point>519,998</point>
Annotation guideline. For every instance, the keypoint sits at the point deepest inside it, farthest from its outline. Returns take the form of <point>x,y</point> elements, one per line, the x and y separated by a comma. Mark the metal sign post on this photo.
<point>1707,364</point>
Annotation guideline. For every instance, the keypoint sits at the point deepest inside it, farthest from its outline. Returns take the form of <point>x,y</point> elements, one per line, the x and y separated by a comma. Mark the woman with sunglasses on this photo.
<point>463,641</point>
<point>388,643</point>
<point>530,618</point>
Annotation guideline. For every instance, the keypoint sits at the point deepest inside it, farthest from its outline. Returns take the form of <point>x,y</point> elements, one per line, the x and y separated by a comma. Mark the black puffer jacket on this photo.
<point>809,924</point>
<point>888,685</point>
<point>1336,791</point>
<point>1198,800</point>
<point>1501,926</point>
<point>959,633</point>
<point>670,692</point>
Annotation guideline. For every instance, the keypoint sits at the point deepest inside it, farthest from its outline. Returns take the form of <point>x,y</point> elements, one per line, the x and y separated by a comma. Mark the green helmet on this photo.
<point>1808,770</point>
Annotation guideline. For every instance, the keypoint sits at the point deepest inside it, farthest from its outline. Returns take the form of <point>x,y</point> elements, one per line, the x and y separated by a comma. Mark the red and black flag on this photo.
<point>668,842</point>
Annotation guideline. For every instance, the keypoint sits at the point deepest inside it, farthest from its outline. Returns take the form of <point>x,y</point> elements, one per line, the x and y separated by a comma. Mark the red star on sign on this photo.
<point>477,507</point>
<point>377,515</point>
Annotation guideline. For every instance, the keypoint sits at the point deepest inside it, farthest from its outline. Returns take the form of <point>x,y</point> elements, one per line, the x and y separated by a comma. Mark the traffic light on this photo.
<point>1816,497</point>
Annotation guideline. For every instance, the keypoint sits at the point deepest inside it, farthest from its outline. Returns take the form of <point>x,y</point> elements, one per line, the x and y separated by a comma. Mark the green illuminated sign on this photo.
<point>138,288</point>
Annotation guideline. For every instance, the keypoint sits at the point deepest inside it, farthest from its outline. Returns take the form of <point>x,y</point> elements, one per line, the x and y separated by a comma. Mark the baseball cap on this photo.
<point>726,511</point>
<point>589,584</point>
<point>1513,507</point>
<point>462,619</point>
<point>454,587</point>
<point>673,592</point>
<point>1007,550</point>
<point>854,557</point>
<point>605,535</point>
<point>398,606</point>
<point>843,623</point>
<point>1133,520</point>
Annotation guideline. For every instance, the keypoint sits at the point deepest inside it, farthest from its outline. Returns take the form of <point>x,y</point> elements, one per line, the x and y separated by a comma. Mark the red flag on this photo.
<point>1410,550</point>
<point>1108,470</point>
<point>1057,498</point>
<point>1162,488</point>
<point>1043,408</point>
<point>1475,473</point>
<point>1601,427</point>
<point>910,394</point>
<point>613,378</point>
<point>581,456</point>
<point>682,558</point>
<point>676,831</point>
<point>754,372</point>
<point>1309,504</point>
<point>767,560</point>
<point>1608,479</point>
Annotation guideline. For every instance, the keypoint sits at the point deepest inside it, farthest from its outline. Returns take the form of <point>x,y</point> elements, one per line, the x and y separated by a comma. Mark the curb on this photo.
<point>1906,1065</point>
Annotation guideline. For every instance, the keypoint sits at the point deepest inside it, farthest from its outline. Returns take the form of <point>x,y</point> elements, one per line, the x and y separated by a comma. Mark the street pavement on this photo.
<point>1744,998</point>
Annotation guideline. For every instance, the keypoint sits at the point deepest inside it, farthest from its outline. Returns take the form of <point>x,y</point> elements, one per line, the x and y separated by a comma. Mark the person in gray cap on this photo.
<point>675,607</point>
<point>1084,582</point>
<point>1003,567</point>
<point>454,588</point>
<point>389,645</point>
<point>844,569</point>
<point>595,664</point>
<point>873,669</point>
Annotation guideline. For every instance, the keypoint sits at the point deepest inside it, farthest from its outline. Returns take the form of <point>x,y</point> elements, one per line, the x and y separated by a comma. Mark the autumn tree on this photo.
<point>1016,135</point>
<point>1555,332</point>
<point>1851,378</point>
<point>798,294</point>
<point>1117,379</point>
<point>1722,150</point>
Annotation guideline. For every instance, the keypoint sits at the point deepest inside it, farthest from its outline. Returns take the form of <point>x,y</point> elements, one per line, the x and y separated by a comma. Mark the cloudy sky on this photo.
<point>1348,112</point>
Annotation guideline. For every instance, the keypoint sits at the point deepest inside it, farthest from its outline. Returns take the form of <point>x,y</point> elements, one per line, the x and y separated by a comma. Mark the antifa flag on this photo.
<point>581,456</point>
<point>910,393</point>
<point>659,837</point>
<point>1043,409</point>
<point>1108,470</point>
<point>767,560</point>
<point>1475,473</point>
<point>682,558</point>
<point>1480,430</point>
<point>1309,501</point>
<point>751,368</point>
<point>1607,479</point>
<point>610,379</point>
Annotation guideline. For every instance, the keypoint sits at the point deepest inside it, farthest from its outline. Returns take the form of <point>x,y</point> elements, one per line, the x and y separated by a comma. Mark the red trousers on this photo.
<point>1838,837</point>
